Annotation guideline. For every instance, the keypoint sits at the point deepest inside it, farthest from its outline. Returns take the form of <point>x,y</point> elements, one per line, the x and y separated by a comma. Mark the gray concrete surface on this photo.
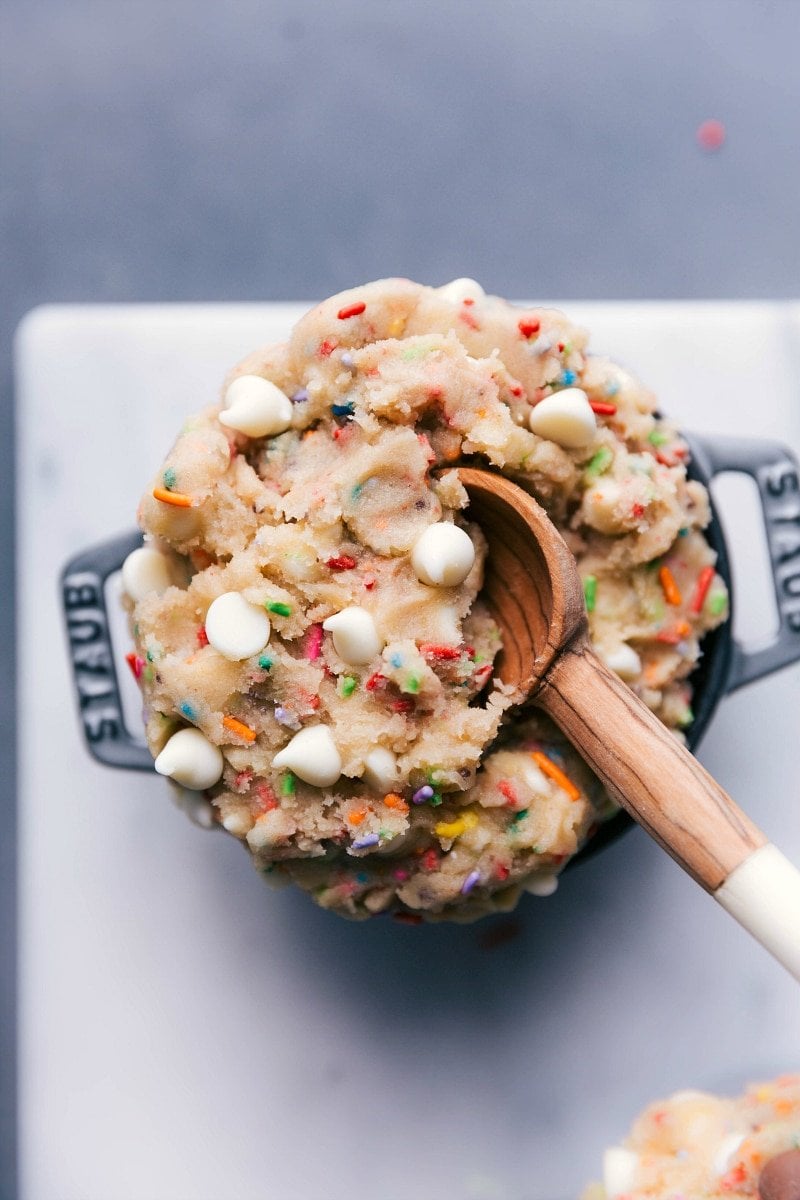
<point>172,150</point>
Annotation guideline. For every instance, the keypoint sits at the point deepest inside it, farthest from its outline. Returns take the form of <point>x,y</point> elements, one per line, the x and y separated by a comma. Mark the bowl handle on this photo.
<point>94,668</point>
<point>775,471</point>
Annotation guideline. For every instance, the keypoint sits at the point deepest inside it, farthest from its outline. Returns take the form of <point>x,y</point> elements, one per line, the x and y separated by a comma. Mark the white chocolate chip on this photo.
<point>443,555</point>
<point>725,1152</point>
<point>624,661</point>
<point>601,505</point>
<point>541,884</point>
<point>566,418</point>
<point>354,635</point>
<point>191,760</point>
<point>237,822</point>
<point>256,407</point>
<point>619,1170</point>
<point>313,757</point>
<point>235,628</point>
<point>380,769</point>
<point>145,571</point>
<point>460,290</point>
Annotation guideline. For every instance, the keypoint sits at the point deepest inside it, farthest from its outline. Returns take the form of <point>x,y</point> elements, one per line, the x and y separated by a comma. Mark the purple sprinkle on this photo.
<point>423,794</point>
<point>469,882</point>
<point>299,397</point>
<point>347,359</point>
<point>369,839</point>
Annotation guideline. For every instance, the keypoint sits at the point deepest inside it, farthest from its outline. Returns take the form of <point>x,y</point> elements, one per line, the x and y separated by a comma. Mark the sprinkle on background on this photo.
<point>710,135</point>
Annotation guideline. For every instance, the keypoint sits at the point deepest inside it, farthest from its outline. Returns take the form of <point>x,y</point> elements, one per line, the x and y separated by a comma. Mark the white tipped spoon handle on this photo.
<point>763,894</point>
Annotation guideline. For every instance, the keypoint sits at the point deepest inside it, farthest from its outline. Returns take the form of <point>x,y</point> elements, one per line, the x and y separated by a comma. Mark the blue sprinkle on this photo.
<point>188,711</point>
<point>343,410</point>
<point>612,387</point>
<point>396,660</point>
<point>423,794</point>
<point>300,396</point>
<point>362,877</point>
<point>469,882</point>
<point>369,839</point>
<point>568,377</point>
<point>347,359</point>
<point>683,532</point>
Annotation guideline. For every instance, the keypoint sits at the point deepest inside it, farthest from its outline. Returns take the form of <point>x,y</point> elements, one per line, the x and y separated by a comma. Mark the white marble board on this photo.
<point>186,1034</point>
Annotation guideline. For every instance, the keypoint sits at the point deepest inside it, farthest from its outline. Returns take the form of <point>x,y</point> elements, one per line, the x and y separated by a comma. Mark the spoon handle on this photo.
<point>674,798</point>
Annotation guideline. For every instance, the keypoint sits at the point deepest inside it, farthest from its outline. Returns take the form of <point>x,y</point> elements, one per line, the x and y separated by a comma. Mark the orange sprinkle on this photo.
<point>392,800</point>
<point>178,499</point>
<point>239,728</point>
<point>547,765</point>
<point>782,1107</point>
<point>356,816</point>
<point>672,593</point>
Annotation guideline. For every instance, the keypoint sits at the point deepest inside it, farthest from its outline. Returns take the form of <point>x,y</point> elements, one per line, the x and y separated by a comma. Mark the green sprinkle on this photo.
<point>717,603</point>
<point>149,674</point>
<point>412,352</point>
<point>288,786</point>
<point>590,592</point>
<point>265,662</point>
<point>520,816</point>
<point>170,479</point>
<point>347,685</point>
<point>686,717</point>
<point>658,438</point>
<point>599,462</point>
<point>435,800</point>
<point>411,685</point>
<point>356,491</point>
<point>279,608</point>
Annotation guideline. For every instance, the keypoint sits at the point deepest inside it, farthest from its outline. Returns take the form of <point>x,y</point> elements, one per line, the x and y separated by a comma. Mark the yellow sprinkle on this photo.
<point>396,327</point>
<point>454,829</point>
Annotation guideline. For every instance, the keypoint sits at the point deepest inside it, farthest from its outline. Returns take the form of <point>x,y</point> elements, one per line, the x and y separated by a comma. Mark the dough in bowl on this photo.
<point>703,1147</point>
<point>314,656</point>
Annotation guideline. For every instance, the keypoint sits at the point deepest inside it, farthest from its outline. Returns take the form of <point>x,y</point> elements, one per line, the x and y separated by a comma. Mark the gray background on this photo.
<point>163,150</point>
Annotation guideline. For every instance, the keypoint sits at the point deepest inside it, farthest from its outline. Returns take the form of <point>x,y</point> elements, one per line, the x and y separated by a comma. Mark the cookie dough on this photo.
<point>322,625</point>
<point>710,1148</point>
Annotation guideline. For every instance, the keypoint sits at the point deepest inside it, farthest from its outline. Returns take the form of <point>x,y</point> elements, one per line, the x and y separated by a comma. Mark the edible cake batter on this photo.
<point>316,663</point>
<point>700,1147</point>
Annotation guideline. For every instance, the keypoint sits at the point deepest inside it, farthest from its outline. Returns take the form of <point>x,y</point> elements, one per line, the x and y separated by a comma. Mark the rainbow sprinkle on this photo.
<point>279,608</point>
<point>672,593</point>
<point>422,794</point>
<point>288,784</point>
<point>590,592</point>
<point>469,882</point>
<point>347,685</point>
<point>369,839</point>
<point>549,768</point>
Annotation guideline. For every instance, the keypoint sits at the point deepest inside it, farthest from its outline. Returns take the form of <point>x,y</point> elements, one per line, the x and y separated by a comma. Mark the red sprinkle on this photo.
<point>517,391</point>
<point>327,347</point>
<point>342,562</point>
<point>468,320</point>
<point>406,918</point>
<point>135,663</point>
<point>242,780</point>
<point>369,582</point>
<point>704,581</point>
<point>436,651</point>
<point>637,510</point>
<point>313,643</point>
<point>375,681</point>
<point>265,797</point>
<point>429,860</point>
<point>602,408</point>
<point>468,301</point>
<point>528,327</point>
<point>352,310</point>
<point>506,787</point>
<point>403,705</point>
<point>710,135</point>
<point>202,637</point>
<point>502,872</point>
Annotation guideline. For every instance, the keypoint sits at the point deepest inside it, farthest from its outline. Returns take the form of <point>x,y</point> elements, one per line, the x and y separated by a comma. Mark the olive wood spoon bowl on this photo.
<point>534,591</point>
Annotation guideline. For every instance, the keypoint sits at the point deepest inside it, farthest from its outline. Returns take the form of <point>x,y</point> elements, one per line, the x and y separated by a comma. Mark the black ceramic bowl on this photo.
<point>725,665</point>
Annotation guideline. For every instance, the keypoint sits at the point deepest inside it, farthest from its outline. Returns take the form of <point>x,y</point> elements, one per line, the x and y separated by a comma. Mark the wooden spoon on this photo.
<point>534,591</point>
